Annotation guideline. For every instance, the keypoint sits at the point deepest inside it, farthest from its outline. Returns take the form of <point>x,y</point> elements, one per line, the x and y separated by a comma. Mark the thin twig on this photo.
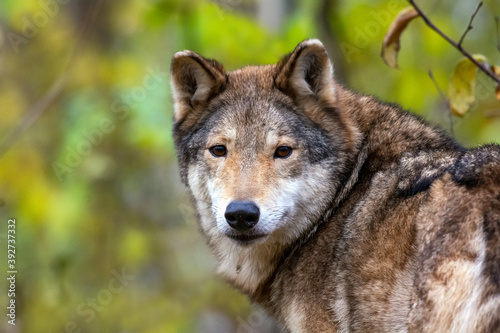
<point>498,34</point>
<point>43,103</point>
<point>34,113</point>
<point>492,113</point>
<point>437,86</point>
<point>431,25</point>
<point>445,100</point>
<point>469,26</point>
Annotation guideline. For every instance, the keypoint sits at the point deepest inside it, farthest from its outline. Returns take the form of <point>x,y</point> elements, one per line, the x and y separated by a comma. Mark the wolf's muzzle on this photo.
<point>242,215</point>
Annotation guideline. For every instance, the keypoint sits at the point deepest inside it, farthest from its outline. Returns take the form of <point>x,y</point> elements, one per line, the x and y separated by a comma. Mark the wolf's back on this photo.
<point>457,284</point>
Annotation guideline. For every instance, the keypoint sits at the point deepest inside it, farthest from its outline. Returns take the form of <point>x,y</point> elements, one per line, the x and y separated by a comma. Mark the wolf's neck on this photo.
<point>247,268</point>
<point>388,131</point>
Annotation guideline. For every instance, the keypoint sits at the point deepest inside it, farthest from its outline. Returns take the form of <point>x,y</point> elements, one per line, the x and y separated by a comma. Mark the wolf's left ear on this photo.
<point>195,80</point>
<point>307,73</point>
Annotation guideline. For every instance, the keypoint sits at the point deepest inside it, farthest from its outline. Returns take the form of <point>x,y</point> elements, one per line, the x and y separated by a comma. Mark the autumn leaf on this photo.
<point>496,70</point>
<point>390,46</point>
<point>462,85</point>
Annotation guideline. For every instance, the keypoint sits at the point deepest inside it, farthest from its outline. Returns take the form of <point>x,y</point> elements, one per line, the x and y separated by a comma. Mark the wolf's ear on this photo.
<point>307,73</point>
<point>195,80</point>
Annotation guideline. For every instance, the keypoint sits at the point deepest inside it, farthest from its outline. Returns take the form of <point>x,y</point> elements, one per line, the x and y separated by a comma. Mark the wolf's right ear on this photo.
<point>306,74</point>
<point>195,80</point>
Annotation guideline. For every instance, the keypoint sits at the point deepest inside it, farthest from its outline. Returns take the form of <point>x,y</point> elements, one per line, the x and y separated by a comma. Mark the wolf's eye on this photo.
<point>218,151</point>
<point>283,152</point>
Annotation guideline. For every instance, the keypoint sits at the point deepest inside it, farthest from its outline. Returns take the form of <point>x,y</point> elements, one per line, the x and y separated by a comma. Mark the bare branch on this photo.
<point>469,26</point>
<point>34,113</point>
<point>483,67</point>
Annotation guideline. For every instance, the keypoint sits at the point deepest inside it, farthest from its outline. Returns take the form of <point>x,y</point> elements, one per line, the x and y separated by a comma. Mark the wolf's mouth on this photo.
<point>246,239</point>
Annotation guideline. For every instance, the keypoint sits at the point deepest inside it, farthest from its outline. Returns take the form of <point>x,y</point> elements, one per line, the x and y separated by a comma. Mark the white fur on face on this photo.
<point>292,207</point>
<point>281,203</point>
<point>290,203</point>
<point>288,214</point>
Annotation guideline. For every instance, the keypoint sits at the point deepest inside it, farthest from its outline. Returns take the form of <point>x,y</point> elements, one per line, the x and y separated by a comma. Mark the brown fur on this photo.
<point>400,228</point>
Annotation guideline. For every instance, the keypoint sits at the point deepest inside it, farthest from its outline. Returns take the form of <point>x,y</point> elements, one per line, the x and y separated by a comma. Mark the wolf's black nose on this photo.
<point>242,215</point>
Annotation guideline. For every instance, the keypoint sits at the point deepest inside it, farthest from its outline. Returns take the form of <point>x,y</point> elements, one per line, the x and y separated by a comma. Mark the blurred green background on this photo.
<point>106,239</point>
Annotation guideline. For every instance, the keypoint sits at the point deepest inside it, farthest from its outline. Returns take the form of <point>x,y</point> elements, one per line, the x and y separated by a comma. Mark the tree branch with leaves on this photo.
<point>462,85</point>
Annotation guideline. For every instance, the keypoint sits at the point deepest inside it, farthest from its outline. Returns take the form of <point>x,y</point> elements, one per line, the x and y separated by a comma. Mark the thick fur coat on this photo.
<point>357,216</point>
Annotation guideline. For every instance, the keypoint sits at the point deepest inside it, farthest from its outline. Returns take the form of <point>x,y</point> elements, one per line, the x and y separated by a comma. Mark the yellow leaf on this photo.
<point>390,46</point>
<point>462,86</point>
<point>496,70</point>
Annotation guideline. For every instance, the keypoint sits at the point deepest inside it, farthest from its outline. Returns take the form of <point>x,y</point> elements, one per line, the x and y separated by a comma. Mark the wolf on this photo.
<point>334,211</point>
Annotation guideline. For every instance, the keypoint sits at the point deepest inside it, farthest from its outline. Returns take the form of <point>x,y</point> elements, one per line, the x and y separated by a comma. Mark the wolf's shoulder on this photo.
<point>469,167</point>
<point>458,245</point>
<point>478,166</point>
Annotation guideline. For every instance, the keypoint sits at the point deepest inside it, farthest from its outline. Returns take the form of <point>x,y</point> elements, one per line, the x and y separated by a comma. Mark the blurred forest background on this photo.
<point>106,238</point>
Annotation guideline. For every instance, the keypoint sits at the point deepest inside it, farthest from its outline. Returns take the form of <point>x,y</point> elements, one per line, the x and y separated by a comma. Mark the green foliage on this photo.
<point>93,183</point>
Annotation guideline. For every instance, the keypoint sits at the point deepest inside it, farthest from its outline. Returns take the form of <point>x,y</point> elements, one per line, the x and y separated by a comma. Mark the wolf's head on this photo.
<point>262,149</point>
